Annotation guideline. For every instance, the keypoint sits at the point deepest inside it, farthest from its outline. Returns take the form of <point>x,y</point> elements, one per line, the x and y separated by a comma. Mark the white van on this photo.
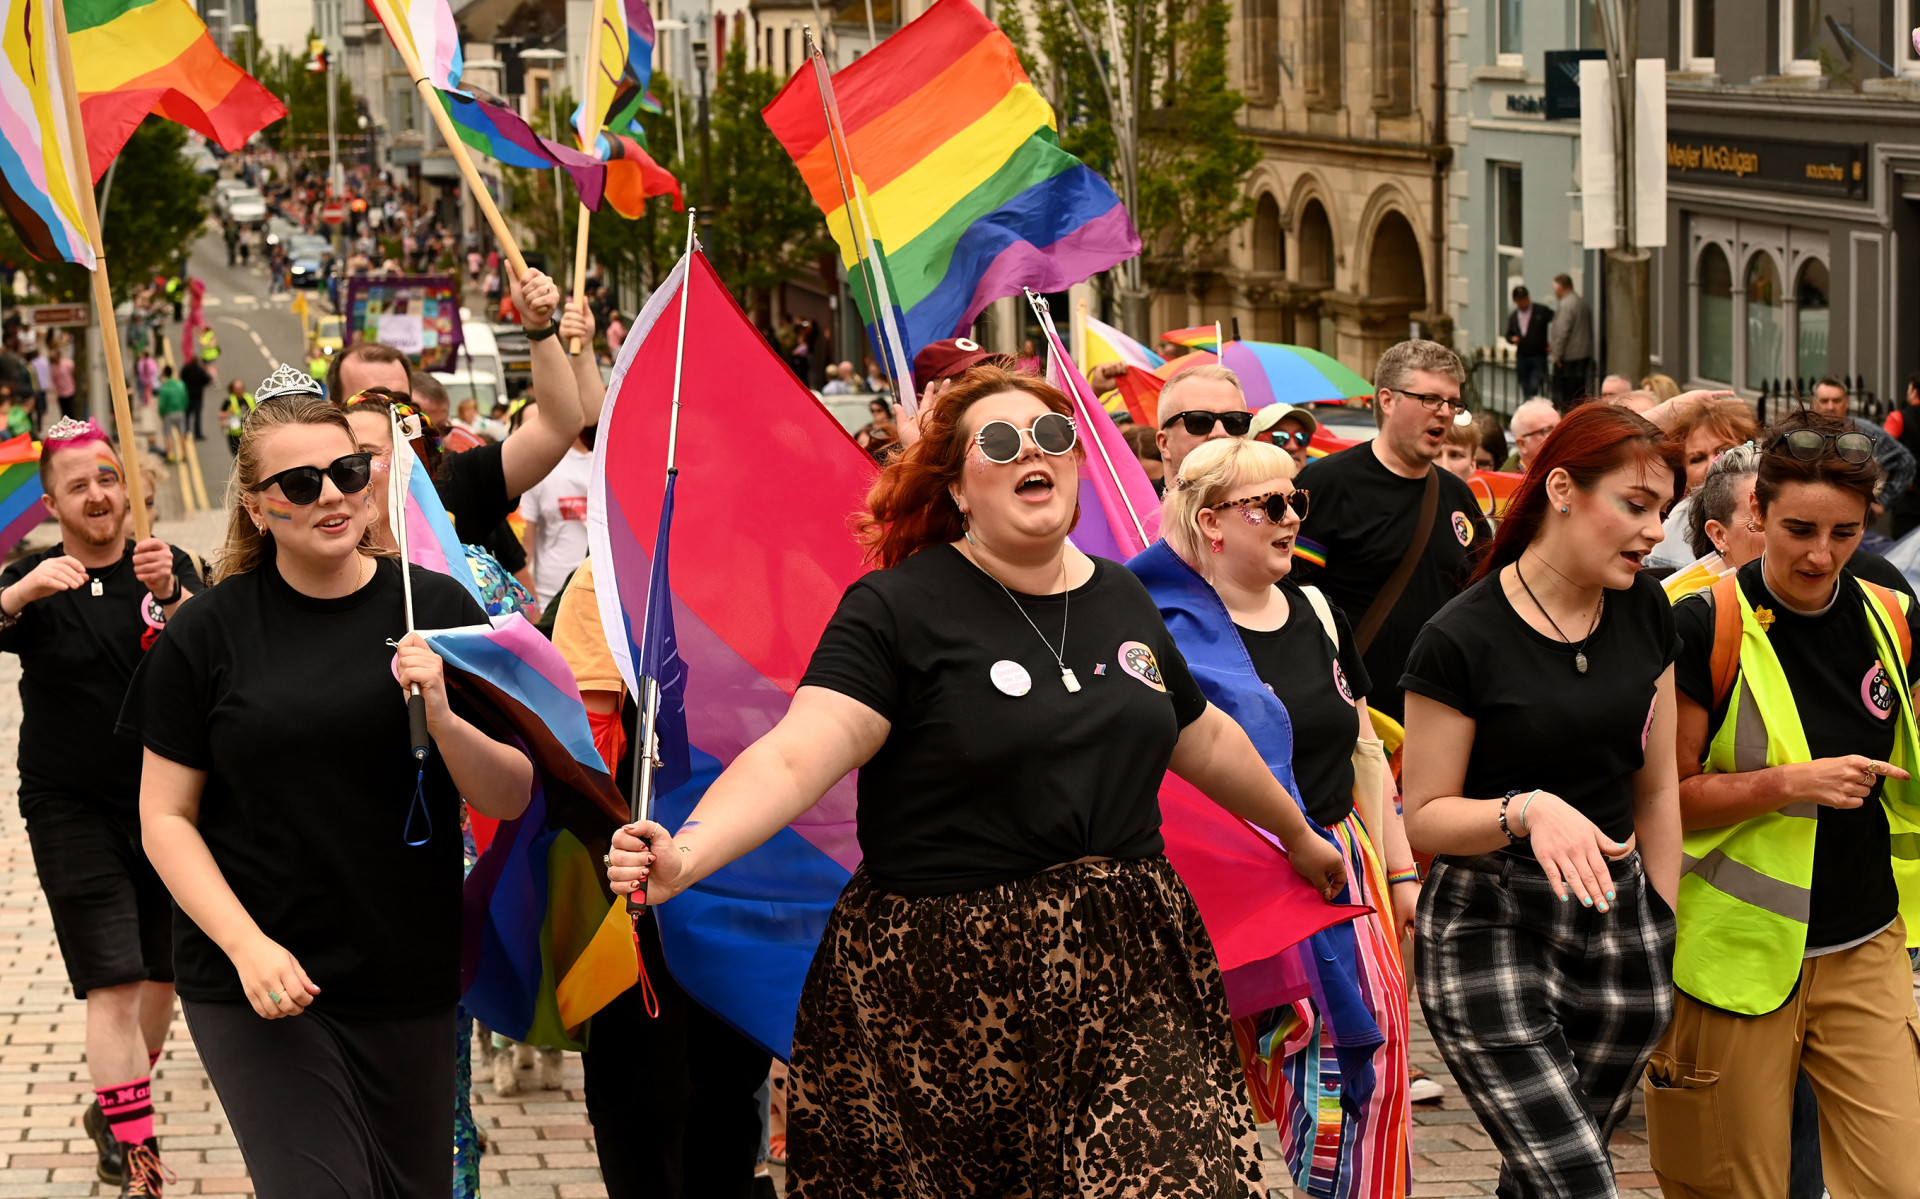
<point>478,352</point>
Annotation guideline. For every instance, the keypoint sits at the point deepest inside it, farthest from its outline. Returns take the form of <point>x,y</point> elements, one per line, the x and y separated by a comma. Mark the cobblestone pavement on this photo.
<point>542,1145</point>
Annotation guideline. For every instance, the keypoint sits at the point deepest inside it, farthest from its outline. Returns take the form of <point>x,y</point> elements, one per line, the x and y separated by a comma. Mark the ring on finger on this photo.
<point>275,997</point>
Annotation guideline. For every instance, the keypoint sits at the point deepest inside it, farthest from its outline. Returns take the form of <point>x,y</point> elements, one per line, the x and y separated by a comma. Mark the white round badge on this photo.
<point>1011,678</point>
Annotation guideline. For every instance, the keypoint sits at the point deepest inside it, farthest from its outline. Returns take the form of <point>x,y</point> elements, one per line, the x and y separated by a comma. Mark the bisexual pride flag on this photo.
<point>753,554</point>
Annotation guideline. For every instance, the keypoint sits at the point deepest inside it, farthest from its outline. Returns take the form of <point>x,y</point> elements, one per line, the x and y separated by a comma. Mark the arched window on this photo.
<point>1812,318</point>
<point>1713,322</point>
<point>1316,246</point>
<point>1764,321</point>
<point>1394,268</point>
<point>1269,250</point>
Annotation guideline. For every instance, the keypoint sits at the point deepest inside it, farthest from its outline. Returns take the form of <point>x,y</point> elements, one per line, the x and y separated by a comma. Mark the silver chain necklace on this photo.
<point>1059,657</point>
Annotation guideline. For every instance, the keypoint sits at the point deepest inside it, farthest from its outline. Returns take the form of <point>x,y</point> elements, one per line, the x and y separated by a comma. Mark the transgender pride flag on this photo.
<point>431,541</point>
<point>759,556</point>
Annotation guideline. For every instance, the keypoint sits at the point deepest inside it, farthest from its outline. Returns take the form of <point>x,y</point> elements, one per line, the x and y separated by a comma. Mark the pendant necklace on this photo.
<point>1580,651</point>
<point>1067,676</point>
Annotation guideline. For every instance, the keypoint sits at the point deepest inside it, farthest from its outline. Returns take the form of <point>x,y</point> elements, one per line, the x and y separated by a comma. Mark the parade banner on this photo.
<point>417,314</point>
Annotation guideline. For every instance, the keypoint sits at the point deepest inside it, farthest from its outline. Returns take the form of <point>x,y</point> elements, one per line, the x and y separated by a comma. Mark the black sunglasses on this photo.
<point>1808,445</point>
<point>1199,424</point>
<point>1000,441</point>
<point>301,484</point>
<point>1274,504</point>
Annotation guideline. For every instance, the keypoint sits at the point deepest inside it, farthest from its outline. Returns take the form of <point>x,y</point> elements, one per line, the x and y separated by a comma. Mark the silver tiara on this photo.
<point>67,429</point>
<point>286,381</point>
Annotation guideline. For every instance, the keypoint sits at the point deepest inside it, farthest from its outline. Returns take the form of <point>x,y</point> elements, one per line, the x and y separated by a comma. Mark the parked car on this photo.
<point>281,229</point>
<point>243,205</point>
<point>464,384</point>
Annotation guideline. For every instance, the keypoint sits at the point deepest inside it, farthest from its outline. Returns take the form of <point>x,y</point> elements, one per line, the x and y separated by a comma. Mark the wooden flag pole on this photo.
<point>430,96</point>
<point>102,286</point>
<point>590,79</point>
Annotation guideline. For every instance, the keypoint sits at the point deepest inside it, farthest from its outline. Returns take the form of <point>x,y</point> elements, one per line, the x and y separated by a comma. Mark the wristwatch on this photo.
<point>545,333</point>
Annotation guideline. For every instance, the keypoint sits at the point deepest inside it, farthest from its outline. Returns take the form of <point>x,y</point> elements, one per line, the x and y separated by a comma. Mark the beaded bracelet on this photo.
<point>1504,801</point>
<point>1410,875</point>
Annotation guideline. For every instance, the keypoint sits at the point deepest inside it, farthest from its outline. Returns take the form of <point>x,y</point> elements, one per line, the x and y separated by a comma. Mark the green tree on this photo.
<point>153,215</point>
<point>304,129</point>
<point>1139,89</point>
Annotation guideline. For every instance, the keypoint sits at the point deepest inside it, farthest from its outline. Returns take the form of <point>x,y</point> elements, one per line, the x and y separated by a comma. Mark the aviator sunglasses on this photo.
<point>1808,445</point>
<point>1274,504</point>
<point>301,484</point>
<point>1000,442</point>
<point>1199,423</point>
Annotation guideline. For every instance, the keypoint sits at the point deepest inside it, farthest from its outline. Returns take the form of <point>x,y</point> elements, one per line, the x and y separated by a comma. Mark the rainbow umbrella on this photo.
<point>1271,373</point>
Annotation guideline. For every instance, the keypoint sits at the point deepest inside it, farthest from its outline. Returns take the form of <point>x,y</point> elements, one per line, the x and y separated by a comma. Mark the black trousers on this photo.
<point>672,1099</point>
<point>1572,382</point>
<point>333,1107</point>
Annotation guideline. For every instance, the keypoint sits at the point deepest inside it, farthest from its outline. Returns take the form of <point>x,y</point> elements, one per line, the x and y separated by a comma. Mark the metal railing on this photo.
<point>1780,396</point>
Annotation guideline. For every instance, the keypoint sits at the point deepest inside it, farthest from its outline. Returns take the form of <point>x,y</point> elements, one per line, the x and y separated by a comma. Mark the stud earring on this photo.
<point>1753,528</point>
<point>1563,509</point>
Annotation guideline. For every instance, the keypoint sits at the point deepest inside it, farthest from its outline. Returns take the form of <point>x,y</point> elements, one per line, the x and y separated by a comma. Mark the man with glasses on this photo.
<point>1531,423</point>
<point>1200,404</point>
<point>1368,504</point>
<point>1830,398</point>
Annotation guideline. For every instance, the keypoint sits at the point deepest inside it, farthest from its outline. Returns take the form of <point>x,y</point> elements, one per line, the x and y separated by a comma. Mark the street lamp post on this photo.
<point>548,55</point>
<point>702,59</point>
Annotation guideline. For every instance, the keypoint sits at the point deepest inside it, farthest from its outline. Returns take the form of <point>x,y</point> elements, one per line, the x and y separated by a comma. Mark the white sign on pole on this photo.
<point>1597,182</point>
<point>1650,153</point>
<point>402,330</point>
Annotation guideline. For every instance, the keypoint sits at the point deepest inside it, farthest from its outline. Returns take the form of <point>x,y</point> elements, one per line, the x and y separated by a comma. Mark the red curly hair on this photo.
<point>910,505</point>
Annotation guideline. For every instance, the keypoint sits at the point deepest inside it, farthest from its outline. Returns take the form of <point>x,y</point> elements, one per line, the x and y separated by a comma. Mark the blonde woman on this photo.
<point>316,864</point>
<point>1280,659</point>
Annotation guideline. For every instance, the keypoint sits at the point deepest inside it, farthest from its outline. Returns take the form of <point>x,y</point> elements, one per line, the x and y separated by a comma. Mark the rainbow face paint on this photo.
<point>277,509</point>
<point>107,466</point>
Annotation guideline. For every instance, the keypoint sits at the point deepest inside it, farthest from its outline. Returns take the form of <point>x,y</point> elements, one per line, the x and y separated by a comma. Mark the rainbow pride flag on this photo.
<point>748,601</point>
<point>37,178</point>
<point>966,190</point>
<point>1195,337</point>
<point>20,508</point>
<point>626,57</point>
<point>498,132</point>
<point>544,944</point>
<point>134,57</point>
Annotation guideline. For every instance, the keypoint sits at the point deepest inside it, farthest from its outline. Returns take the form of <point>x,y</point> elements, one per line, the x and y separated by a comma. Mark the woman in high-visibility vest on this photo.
<point>1801,880</point>
<point>1539,769</point>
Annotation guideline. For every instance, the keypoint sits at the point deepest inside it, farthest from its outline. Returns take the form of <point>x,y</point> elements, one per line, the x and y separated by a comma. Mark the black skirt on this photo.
<point>326,1105</point>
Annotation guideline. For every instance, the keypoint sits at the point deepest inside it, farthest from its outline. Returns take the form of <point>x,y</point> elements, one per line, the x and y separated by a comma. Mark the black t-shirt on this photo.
<point>1362,517</point>
<point>77,653</point>
<point>289,704</point>
<point>1539,721</point>
<point>977,785</point>
<point>195,378</point>
<point>1846,707</point>
<point>1319,688</point>
<point>506,548</point>
<point>473,487</point>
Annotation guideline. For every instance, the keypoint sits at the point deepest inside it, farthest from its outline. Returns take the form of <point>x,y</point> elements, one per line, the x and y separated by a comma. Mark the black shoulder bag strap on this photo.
<point>1396,582</point>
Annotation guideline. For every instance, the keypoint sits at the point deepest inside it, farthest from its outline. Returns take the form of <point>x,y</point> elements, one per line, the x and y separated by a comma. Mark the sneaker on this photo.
<point>113,1155</point>
<point>1421,1086</point>
<point>551,1064</point>
<point>146,1173</point>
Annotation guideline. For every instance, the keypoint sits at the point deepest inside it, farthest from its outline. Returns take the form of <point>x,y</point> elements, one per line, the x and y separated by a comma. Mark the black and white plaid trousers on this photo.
<point>1545,1011</point>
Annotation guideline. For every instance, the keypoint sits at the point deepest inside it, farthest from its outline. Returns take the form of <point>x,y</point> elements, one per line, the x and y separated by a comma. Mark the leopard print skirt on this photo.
<point>1061,1035</point>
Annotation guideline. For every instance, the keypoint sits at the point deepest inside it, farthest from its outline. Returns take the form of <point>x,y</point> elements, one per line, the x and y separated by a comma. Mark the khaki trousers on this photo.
<point>1719,1088</point>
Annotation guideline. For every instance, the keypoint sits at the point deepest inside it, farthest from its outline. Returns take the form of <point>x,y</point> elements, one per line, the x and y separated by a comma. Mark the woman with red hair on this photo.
<point>1015,988</point>
<point>1539,769</point>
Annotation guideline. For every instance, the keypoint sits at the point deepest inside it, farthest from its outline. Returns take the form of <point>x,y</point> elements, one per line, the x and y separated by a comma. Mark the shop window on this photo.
<point>1812,320</point>
<point>1906,19</point>
<point>1393,57</point>
<point>1696,34</point>
<point>1508,231</point>
<point>1764,322</point>
<point>1507,33</point>
<point>1713,320</point>
<point>1262,35</point>
<point>1326,45</point>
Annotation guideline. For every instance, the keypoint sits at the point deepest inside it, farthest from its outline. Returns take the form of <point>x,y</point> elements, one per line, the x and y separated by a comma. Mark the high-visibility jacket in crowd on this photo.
<point>1746,889</point>
<point>209,346</point>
